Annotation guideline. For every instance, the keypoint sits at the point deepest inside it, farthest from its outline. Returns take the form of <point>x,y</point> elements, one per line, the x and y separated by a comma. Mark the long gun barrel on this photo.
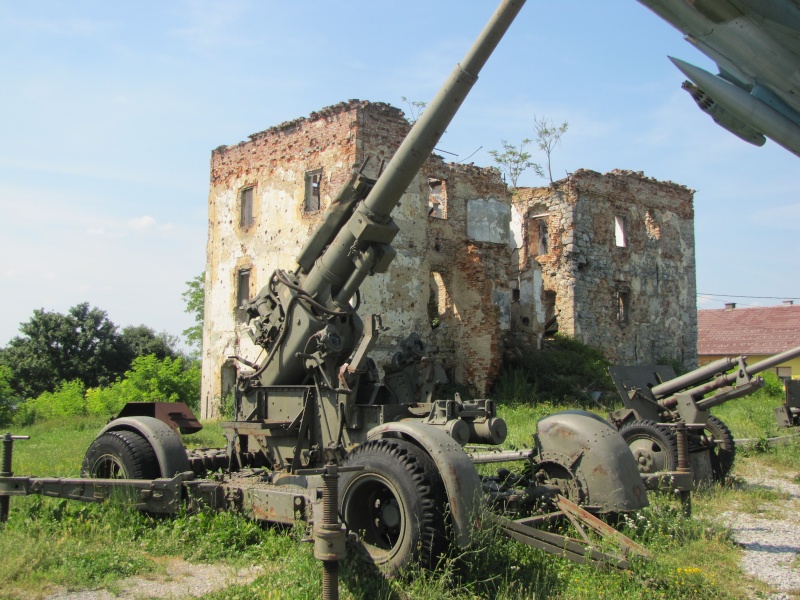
<point>353,241</point>
<point>370,228</point>
<point>717,371</point>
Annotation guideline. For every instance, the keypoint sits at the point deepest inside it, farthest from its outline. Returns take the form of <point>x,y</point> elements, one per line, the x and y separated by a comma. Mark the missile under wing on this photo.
<point>756,45</point>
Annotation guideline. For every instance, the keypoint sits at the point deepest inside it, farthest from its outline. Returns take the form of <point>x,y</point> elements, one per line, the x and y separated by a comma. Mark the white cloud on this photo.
<point>142,223</point>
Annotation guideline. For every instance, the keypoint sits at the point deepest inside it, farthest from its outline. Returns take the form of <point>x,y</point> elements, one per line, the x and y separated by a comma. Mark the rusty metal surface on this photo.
<point>560,545</point>
<point>597,456</point>
<point>603,528</point>
<point>157,495</point>
<point>175,414</point>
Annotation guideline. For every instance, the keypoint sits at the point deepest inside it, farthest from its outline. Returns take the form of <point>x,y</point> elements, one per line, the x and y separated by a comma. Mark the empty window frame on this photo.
<point>623,306</point>
<point>437,198</point>
<point>313,185</point>
<point>242,287</point>
<point>438,299</point>
<point>620,232</point>
<point>246,207</point>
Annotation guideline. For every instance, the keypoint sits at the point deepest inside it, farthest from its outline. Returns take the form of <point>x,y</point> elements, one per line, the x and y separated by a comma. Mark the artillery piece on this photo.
<point>316,405</point>
<point>656,401</point>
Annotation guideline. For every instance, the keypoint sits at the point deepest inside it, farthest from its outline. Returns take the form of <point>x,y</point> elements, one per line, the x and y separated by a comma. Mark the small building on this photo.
<point>479,270</point>
<point>755,332</point>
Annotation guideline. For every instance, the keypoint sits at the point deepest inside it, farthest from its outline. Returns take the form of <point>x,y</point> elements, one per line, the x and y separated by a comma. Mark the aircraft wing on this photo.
<point>756,45</point>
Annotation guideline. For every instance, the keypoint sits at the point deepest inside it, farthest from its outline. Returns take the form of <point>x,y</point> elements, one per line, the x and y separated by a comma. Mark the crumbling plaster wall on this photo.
<point>474,307</point>
<point>588,270</point>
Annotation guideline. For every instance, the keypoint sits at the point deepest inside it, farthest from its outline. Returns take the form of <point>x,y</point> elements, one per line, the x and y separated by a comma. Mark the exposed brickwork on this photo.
<point>463,331</point>
<point>486,278</point>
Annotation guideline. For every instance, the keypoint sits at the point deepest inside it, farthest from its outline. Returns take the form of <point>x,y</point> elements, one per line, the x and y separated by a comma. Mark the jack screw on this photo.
<point>329,535</point>
<point>5,469</point>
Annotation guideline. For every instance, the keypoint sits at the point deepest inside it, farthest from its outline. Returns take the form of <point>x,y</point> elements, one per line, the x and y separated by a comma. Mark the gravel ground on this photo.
<point>771,539</point>
<point>183,580</point>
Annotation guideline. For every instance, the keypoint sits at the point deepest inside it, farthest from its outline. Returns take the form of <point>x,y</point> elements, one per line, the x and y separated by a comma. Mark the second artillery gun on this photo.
<point>656,402</point>
<point>315,406</point>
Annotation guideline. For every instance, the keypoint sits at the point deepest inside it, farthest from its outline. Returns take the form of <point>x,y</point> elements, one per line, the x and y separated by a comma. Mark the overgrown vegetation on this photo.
<point>566,371</point>
<point>83,345</point>
<point>49,543</point>
<point>149,380</point>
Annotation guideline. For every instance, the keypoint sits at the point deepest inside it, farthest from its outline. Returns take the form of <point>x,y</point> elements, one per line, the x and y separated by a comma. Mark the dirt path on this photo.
<point>182,580</point>
<point>771,538</point>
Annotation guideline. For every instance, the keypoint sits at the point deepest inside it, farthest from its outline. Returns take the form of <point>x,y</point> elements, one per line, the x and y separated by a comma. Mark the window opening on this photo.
<point>246,201</point>
<point>784,373</point>
<point>313,185</point>
<point>622,307</point>
<point>437,198</point>
<point>437,300</point>
<point>243,287</point>
<point>620,232</point>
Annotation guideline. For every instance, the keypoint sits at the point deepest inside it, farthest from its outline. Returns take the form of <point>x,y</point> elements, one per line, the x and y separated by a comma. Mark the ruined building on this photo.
<point>476,270</point>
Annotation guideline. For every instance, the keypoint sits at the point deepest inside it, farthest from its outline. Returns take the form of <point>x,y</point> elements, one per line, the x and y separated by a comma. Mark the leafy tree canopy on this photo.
<point>83,345</point>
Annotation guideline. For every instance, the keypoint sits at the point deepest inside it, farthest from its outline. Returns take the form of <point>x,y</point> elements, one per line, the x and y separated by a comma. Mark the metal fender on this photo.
<point>596,455</point>
<point>461,482</point>
<point>168,446</point>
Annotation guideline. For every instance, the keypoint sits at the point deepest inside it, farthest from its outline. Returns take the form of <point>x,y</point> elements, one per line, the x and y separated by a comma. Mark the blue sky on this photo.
<point>110,111</point>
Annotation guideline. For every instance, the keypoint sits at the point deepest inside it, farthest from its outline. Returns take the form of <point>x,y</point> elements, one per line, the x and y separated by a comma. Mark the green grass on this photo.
<point>50,544</point>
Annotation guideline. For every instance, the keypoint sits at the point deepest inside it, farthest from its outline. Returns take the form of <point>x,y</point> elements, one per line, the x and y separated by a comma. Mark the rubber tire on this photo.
<point>725,452</point>
<point>120,455</point>
<point>663,444</point>
<point>399,472</point>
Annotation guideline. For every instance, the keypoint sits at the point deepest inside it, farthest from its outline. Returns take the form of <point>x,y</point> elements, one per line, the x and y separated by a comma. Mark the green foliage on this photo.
<point>141,340</point>
<point>548,136</point>
<point>773,386</point>
<point>415,109</point>
<point>195,298</point>
<point>67,401</point>
<point>83,345</point>
<point>8,399</point>
<point>149,380</point>
<point>514,160</point>
<point>564,371</point>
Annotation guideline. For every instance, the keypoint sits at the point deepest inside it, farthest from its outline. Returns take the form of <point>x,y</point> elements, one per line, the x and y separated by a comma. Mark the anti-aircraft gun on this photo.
<point>316,400</point>
<point>657,402</point>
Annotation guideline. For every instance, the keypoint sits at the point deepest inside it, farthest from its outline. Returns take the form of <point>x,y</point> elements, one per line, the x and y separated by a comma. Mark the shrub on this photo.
<point>149,380</point>
<point>564,371</point>
<point>67,401</point>
<point>8,399</point>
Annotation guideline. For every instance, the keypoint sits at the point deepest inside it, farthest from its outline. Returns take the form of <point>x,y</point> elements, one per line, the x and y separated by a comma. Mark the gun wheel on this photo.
<point>394,504</point>
<point>120,455</point>
<point>654,448</point>
<point>723,450</point>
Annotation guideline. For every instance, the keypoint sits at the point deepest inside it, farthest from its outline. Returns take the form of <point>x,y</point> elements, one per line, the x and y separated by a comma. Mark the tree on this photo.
<point>195,298</point>
<point>81,345</point>
<point>8,399</point>
<point>415,109</point>
<point>141,340</point>
<point>548,136</point>
<point>514,160</point>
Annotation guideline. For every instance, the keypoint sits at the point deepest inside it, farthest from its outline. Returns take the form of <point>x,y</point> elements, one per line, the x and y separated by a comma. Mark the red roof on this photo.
<point>749,331</point>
